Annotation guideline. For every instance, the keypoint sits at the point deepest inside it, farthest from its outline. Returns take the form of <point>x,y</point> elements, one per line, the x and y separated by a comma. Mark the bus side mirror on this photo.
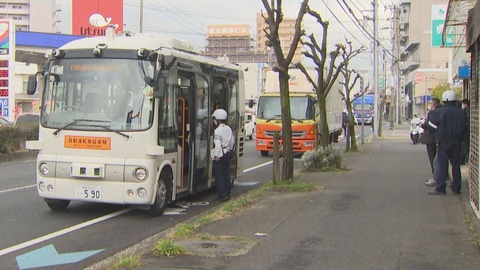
<point>31,84</point>
<point>250,103</point>
<point>161,85</point>
<point>34,82</point>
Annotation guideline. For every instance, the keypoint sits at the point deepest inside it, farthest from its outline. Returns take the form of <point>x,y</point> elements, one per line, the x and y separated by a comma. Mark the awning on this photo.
<point>456,22</point>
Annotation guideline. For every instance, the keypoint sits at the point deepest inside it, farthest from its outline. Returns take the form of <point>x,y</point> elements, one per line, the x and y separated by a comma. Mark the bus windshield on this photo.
<point>366,107</point>
<point>301,108</point>
<point>98,94</point>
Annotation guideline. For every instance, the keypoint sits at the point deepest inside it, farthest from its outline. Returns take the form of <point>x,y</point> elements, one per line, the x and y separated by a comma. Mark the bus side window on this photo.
<point>167,130</point>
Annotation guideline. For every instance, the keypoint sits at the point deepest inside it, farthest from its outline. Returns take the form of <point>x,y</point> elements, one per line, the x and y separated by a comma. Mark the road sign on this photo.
<point>419,77</point>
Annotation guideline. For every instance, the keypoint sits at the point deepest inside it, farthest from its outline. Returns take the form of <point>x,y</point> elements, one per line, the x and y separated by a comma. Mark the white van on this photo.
<point>249,125</point>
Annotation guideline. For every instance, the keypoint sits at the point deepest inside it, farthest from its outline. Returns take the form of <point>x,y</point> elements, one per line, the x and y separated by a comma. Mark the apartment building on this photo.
<point>32,15</point>
<point>286,33</point>
<point>425,60</point>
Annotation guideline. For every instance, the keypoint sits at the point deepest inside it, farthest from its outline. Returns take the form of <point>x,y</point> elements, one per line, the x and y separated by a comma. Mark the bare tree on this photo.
<point>273,17</point>
<point>350,78</point>
<point>326,75</point>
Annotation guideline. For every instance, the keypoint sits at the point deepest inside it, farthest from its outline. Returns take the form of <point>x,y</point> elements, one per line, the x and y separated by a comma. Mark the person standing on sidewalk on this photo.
<point>345,120</point>
<point>449,124</point>
<point>466,140</point>
<point>428,138</point>
<point>222,154</point>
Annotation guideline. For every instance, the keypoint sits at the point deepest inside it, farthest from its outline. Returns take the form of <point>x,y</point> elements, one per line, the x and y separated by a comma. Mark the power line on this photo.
<point>346,29</point>
<point>174,18</point>
<point>365,31</point>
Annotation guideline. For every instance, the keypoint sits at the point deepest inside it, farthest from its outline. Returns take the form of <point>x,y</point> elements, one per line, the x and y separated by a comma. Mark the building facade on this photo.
<point>424,59</point>
<point>473,46</point>
<point>32,15</point>
<point>285,33</point>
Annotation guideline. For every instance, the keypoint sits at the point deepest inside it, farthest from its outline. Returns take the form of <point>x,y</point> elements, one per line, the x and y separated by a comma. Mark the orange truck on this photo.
<point>304,113</point>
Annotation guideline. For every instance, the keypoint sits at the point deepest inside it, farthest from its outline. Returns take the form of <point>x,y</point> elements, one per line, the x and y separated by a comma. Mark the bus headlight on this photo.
<point>142,193</point>
<point>50,188</point>
<point>130,193</point>
<point>141,174</point>
<point>44,168</point>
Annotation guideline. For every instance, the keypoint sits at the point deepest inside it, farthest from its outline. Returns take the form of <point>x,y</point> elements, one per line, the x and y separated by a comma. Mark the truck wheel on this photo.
<point>264,153</point>
<point>57,205</point>
<point>163,195</point>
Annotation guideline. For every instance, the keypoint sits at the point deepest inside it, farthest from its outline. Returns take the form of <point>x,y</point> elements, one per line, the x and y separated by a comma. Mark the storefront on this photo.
<point>473,46</point>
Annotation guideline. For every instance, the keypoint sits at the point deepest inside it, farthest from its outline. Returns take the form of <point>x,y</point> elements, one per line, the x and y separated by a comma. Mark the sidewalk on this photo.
<point>375,215</point>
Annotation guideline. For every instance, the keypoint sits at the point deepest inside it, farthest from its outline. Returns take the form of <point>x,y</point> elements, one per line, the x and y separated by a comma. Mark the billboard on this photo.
<point>7,50</point>
<point>92,17</point>
<point>439,13</point>
<point>235,30</point>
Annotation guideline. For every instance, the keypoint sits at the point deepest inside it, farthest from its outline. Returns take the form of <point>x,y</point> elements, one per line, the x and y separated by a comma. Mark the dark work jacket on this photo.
<point>428,137</point>
<point>449,124</point>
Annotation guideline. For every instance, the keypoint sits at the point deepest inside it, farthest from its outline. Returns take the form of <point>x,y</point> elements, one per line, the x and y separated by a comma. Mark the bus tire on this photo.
<point>57,205</point>
<point>264,153</point>
<point>163,195</point>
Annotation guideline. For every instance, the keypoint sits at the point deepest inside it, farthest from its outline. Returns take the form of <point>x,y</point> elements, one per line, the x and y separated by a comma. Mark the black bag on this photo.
<point>427,137</point>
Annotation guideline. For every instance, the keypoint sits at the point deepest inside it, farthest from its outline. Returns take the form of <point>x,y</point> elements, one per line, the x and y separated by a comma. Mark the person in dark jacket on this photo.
<point>449,124</point>
<point>466,140</point>
<point>345,120</point>
<point>428,138</point>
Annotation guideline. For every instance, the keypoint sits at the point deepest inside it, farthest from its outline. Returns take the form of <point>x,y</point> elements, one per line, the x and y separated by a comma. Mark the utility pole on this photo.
<point>141,17</point>
<point>375,69</point>
<point>396,44</point>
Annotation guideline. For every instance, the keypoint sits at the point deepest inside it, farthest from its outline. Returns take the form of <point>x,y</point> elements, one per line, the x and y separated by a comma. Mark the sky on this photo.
<point>188,20</point>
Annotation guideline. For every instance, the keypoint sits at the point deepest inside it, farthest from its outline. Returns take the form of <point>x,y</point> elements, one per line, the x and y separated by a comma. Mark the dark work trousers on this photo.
<point>448,151</point>
<point>431,152</point>
<point>221,172</point>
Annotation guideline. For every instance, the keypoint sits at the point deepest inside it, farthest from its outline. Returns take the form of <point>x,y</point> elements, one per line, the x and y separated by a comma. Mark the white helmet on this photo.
<point>449,95</point>
<point>220,114</point>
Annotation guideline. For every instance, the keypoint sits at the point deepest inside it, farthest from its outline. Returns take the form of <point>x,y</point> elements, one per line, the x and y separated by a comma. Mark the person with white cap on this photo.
<point>222,153</point>
<point>449,124</point>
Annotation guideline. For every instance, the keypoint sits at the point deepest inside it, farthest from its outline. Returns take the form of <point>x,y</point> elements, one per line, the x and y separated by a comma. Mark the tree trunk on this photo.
<point>352,138</point>
<point>323,124</point>
<point>287,172</point>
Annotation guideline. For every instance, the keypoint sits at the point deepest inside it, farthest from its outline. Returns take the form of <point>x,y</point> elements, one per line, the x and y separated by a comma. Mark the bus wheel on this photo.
<point>57,205</point>
<point>264,153</point>
<point>163,195</point>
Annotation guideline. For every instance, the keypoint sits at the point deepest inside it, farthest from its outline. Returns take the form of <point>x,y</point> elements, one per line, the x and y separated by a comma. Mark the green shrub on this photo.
<point>325,158</point>
<point>12,139</point>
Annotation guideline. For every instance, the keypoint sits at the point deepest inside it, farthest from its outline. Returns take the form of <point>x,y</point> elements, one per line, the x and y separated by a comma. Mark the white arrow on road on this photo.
<point>48,256</point>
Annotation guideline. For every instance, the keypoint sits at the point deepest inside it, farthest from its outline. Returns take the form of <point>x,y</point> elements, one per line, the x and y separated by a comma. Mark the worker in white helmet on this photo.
<point>222,154</point>
<point>449,124</point>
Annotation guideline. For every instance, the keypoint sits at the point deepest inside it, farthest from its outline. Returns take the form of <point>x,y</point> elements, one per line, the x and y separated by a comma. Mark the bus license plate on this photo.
<point>86,192</point>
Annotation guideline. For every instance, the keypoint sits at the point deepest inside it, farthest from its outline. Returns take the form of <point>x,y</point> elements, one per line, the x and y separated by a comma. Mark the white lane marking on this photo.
<point>63,232</point>
<point>78,226</point>
<point>258,166</point>
<point>15,189</point>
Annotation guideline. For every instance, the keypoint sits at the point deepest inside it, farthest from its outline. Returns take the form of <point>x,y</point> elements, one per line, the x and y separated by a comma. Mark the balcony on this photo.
<point>410,66</point>
<point>412,47</point>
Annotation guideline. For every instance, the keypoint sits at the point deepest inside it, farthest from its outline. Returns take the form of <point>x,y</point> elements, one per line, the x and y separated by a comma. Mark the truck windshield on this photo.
<point>301,108</point>
<point>107,94</point>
